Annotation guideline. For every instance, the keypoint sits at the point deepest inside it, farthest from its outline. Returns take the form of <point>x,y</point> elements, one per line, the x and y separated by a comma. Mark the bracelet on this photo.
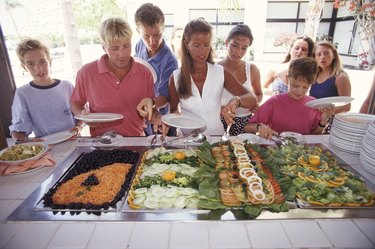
<point>238,101</point>
<point>153,103</point>
<point>321,125</point>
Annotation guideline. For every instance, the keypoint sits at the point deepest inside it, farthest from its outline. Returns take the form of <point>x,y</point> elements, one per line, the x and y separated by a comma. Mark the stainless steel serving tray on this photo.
<point>370,185</point>
<point>30,209</point>
<point>87,162</point>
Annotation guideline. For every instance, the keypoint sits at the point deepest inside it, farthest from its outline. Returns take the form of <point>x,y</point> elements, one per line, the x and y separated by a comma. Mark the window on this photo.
<point>289,17</point>
<point>221,19</point>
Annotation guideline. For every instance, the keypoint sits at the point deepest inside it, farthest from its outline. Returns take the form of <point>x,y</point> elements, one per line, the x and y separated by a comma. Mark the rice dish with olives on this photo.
<point>96,186</point>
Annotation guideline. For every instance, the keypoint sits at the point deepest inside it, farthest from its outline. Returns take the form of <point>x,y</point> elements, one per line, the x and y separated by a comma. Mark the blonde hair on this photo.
<point>336,66</point>
<point>27,45</point>
<point>113,30</point>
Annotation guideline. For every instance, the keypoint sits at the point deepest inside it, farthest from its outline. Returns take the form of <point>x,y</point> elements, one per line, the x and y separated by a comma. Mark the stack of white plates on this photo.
<point>348,131</point>
<point>367,153</point>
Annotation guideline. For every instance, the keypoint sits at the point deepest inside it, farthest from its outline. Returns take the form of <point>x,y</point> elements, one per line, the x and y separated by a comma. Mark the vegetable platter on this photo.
<point>316,178</point>
<point>220,177</point>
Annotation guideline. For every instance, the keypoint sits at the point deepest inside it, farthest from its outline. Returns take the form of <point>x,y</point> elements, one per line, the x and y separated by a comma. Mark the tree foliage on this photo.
<point>363,12</point>
<point>90,13</point>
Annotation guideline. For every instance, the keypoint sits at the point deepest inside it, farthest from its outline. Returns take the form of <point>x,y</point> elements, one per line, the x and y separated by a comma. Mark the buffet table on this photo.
<point>335,231</point>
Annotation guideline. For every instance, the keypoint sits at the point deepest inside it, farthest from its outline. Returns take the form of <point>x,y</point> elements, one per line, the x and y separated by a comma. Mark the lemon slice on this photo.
<point>314,159</point>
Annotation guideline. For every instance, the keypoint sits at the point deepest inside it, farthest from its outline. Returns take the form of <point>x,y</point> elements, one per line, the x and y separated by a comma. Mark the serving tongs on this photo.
<point>280,140</point>
<point>155,137</point>
<point>105,139</point>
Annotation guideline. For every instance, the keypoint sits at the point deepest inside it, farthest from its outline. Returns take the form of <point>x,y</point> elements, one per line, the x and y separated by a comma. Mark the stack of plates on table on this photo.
<point>367,153</point>
<point>348,131</point>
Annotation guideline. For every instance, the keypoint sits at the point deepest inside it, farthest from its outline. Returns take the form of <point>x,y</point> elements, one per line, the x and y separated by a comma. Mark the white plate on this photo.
<point>26,171</point>
<point>41,153</point>
<point>183,121</point>
<point>145,63</point>
<point>58,137</point>
<point>299,137</point>
<point>354,120</point>
<point>327,102</point>
<point>115,141</point>
<point>251,138</point>
<point>242,112</point>
<point>99,117</point>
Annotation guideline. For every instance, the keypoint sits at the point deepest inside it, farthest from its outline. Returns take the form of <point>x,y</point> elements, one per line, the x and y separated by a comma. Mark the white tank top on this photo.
<point>208,106</point>
<point>227,96</point>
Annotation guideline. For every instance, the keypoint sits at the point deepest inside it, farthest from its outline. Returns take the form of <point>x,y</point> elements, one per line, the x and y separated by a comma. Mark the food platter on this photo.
<point>20,153</point>
<point>91,164</point>
<point>146,197</point>
<point>99,117</point>
<point>33,208</point>
<point>329,102</point>
<point>58,137</point>
<point>322,180</point>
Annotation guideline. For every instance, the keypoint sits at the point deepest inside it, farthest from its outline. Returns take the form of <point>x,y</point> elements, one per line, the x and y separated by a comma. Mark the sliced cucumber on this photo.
<point>180,202</point>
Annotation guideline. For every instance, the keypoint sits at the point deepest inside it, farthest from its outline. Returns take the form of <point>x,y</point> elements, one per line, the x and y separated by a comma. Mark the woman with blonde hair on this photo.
<point>331,80</point>
<point>302,46</point>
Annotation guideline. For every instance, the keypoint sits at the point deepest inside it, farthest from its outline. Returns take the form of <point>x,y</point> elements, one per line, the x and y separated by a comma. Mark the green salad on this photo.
<point>21,152</point>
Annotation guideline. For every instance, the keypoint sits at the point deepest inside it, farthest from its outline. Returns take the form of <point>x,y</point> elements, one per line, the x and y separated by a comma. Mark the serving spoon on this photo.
<point>225,137</point>
<point>198,139</point>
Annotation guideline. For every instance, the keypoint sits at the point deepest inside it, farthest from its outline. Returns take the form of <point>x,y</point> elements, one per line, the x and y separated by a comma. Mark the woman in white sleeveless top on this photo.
<point>197,87</point>
<point>238,41</point>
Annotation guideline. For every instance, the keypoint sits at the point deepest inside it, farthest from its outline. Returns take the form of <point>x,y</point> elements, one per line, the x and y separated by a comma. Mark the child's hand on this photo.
<point>265,131</point>
<point>326,113</point>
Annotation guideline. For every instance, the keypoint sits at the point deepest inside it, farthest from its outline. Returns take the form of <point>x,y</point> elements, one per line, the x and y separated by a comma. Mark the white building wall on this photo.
<point>255,18</point>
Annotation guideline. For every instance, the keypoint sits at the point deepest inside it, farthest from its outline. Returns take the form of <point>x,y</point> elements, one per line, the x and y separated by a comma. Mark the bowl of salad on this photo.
<point>20,153</point>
